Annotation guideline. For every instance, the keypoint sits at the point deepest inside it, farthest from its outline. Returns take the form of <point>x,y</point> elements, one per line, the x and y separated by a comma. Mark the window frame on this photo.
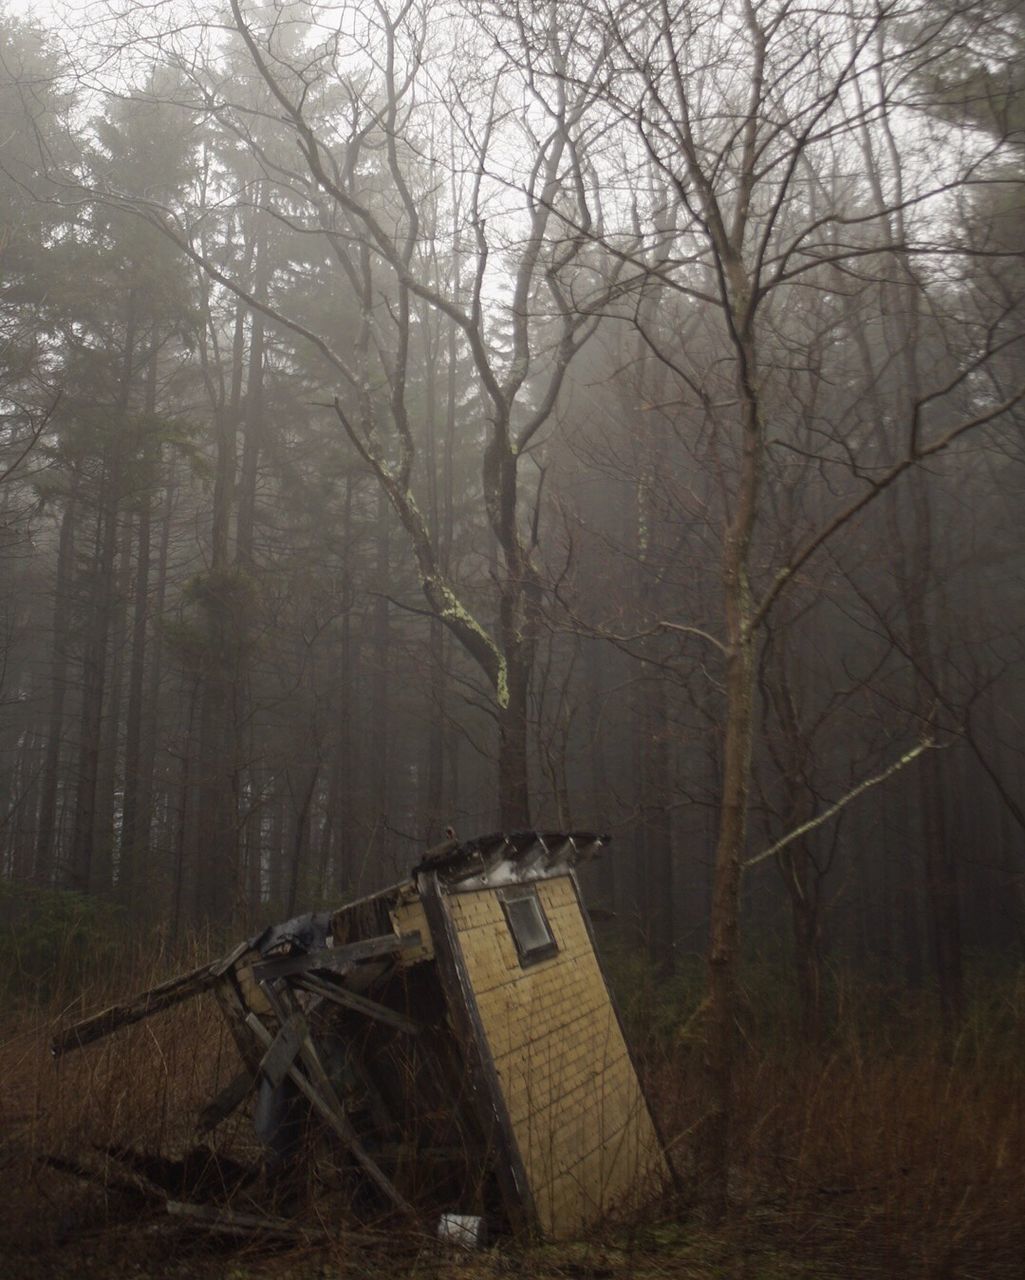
<point>528,956</point>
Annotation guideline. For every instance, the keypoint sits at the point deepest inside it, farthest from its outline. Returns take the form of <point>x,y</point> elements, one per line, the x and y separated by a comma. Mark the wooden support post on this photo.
<point>359,1004</point>
<point>325,1102</point>
<point>277,1061</point>
<point>228,1100</point>
<point>235,1013</point>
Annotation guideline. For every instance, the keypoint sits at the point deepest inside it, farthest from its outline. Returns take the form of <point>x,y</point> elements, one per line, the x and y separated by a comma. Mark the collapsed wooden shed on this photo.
<point>454,1032</point>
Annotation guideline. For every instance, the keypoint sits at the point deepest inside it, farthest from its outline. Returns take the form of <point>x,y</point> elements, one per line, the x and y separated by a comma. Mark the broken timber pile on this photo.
<point>454,1034</point>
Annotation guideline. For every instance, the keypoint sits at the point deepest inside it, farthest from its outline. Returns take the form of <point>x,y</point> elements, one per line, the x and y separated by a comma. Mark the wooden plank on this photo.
<point>375,1102</point>
<point>284,1000</point>
<point>278,1059</point>
<point>282,995</point>
<point>228,1100</point>
<point>233,1223</point>
<point>330,1109</point>
<point>234,1009</point>
<point>360,1004</point>
<point>336,958</point>
<point>163,996</point>
<point>106,1175</point>
<point>221,967</point>
<point>156,999</point>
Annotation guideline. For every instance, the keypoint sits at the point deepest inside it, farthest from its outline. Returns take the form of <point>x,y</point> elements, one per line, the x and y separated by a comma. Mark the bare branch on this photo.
<point>907,758</point>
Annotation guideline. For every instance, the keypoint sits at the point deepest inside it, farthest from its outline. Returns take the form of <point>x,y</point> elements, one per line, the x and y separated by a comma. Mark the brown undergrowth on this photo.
<point>887,1149</point>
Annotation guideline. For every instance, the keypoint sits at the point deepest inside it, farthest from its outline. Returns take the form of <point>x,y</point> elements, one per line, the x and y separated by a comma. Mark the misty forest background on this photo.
<point>494,415</point>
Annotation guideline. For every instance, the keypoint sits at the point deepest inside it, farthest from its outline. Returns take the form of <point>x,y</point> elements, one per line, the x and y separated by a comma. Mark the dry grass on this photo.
<point>878,1154</point>
<point>888,1150</point>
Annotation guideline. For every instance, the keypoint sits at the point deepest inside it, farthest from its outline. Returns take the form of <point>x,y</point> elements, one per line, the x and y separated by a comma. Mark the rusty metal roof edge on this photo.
<point>526,855</point>
<point>508,858</point>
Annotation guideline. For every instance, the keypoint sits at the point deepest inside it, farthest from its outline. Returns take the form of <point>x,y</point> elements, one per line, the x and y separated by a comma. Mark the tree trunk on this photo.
<point>803,891</point>
<point>216,838</point>
<point>801,878</point>
<point>23,800</point>
<point>252,445</point>
<point>513,783</point>
<point>941,882</point>
<point>46,859</point>
<point>739,681</point>
<point>380,700</point>
<point>103,869</point>
<point>227,415</point>
<point>342,806</point>
<point>133,838</point>
<point>142,867</point>
<point>598,774</point>
<point>432,783</point>
<point>655,825</point>
<point>431,808</point>
<point>94,672</point>
<point>94,661</point>
<point>182,824</point>
<point>300,836</point>
<point>723,954</point>
<point>941,879</point>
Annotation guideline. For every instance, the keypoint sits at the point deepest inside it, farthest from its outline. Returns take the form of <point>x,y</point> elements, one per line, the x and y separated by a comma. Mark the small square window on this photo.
<point>528,925</point>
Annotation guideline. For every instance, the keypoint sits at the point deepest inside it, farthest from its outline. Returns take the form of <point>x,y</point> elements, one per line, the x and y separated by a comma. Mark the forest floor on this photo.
<point>884,1150</point>
<point>61,1228</point>
<point>762,1245</point>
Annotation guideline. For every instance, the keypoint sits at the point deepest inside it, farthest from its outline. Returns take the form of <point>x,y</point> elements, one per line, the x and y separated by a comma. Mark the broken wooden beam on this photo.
<point>278,1059</point>
<point>359,1004</point>
<point>228,1100</point>
<point>155,1000</point>
<point>337,958</point>
<point>234,1008</point>
<point>105,1174</point>
<point>325,1102</point>
<point>227,1220</point>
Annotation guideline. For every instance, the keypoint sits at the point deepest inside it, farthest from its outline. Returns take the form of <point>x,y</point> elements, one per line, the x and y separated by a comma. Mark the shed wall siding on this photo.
<point>575,1104</point>
<point>408,916</point>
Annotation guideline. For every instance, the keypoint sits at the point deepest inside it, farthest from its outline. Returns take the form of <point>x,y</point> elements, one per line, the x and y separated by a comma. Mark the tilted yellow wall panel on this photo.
<point>576,1107</point>
<point>408,916</point>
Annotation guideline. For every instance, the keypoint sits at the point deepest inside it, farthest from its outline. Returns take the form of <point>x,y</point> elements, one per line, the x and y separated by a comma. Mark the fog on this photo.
<point>499,416</point>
